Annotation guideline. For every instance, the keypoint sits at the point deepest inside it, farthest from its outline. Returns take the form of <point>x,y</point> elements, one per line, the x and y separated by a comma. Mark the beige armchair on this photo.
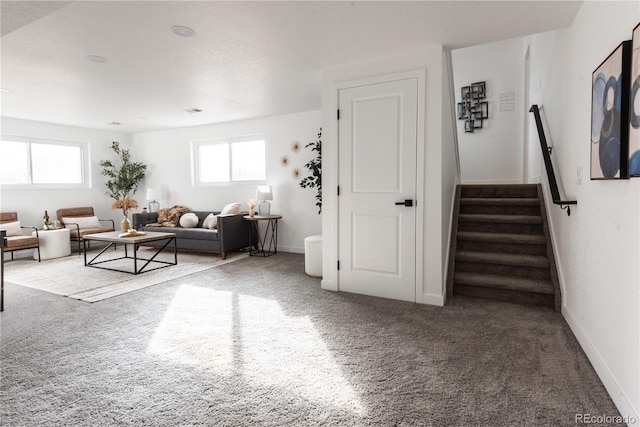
<point>82,221</point>
<point>15,240</point>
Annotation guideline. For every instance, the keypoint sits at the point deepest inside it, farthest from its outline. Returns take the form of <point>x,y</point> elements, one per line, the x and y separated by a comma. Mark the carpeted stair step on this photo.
<point>520,284</point>
<point>500,206</point>
<point>518,265</point>
<point>511,224</point>
<point>508,295</point>
<point>499,191</point>
<point>527,244</point>
<point>504,259</point>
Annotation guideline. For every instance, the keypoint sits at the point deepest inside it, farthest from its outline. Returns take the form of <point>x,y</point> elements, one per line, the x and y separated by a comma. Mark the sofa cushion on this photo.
<point>13,228</point>
<point>82,221</point>
<point>187,233</point>
<point>16,242</point>
<point>197,234</point>
<point>189,220</point>
<point>231,208</point>
<point>210,222</point>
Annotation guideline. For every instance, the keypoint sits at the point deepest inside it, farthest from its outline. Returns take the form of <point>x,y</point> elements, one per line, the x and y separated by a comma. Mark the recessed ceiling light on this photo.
<point>182,31</point>
<point>96,58</point>
<point>5,90</point>
<point>193,110</point>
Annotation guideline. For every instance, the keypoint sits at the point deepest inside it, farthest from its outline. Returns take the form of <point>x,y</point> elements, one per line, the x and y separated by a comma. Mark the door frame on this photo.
<point>331,178</point>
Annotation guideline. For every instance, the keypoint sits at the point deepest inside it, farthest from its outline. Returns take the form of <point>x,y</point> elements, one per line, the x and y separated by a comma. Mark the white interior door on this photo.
<point>377,139</point>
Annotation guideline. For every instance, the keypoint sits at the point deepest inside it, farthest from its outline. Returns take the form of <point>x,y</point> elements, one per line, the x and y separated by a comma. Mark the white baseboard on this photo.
<point>613,388</point>
<point>292,249</point>
<point>433,299</point>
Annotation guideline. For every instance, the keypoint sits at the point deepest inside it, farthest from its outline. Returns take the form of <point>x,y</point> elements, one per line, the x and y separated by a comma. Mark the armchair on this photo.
<point>15,240</point>
<point>82,221</point>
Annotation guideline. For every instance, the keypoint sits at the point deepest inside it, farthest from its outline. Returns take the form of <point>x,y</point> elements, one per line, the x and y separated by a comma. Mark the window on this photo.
<point>229,160</point>
<point>36,162</point>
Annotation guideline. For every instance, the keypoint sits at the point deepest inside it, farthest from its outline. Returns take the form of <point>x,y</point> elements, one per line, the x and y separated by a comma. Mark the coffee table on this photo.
<point>113,238</point>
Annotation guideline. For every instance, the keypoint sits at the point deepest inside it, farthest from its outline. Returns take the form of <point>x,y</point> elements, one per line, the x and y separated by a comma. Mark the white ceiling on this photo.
<point>246,59</point>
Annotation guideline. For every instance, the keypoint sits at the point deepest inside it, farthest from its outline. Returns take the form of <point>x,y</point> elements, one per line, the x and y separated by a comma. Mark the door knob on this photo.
<point>407,202</point>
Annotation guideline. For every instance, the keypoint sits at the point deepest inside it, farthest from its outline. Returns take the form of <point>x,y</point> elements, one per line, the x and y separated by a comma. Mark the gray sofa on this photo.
<point>233,233</point>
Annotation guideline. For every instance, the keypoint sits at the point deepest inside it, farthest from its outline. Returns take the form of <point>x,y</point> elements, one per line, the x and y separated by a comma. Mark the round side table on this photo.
<point>270,234</point>
<point>53,243</point>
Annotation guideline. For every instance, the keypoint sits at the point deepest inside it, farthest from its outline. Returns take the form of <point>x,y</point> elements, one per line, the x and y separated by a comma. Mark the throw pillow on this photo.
<point>13,228</point>
<point>189,220</point>
<point>231,209</point>
<point>82,221</point>
<point>210,222</point>
<point>169,217</point>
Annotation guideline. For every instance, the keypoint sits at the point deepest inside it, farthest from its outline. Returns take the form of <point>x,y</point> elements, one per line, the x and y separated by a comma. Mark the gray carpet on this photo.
<point>256,342</point>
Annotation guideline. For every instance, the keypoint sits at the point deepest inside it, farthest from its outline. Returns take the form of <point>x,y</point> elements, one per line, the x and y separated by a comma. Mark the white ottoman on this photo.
<point>53,243</point>
<point>313,256</point>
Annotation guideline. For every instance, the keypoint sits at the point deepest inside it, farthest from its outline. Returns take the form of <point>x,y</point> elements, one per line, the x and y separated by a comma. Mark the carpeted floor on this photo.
<point>256,342</point>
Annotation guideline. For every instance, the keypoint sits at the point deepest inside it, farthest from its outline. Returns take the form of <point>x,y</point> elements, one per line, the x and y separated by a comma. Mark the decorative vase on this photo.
<point>125,225</point>
<point>252,212</point>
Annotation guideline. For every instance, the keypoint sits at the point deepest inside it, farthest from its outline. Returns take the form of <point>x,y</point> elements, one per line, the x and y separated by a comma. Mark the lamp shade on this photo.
<point>153,194</point>
<point>264,192</point>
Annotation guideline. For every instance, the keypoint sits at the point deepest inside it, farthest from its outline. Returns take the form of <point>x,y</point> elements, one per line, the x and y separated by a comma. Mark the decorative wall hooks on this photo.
<point>473,109</point>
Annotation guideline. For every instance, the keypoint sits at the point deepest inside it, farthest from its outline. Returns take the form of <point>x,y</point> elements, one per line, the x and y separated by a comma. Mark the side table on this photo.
<point>53,243</point>
<point>270,233</point>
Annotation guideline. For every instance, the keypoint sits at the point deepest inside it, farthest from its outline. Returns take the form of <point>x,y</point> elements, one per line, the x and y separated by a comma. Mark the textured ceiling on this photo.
<point>246,59</point>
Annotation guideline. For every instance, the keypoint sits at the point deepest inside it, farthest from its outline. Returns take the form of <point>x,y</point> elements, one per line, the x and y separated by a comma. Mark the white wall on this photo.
<point>597,246</point>
<point>450,159</point>
<point>168,156</point>
<point>493,154</point>
<point>431,286</point>
<point>31,204</point>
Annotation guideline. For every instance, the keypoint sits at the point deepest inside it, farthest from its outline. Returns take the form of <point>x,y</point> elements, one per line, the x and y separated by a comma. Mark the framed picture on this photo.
<point>634,106</point>
<point>609,112</point>
<point>478,90</point>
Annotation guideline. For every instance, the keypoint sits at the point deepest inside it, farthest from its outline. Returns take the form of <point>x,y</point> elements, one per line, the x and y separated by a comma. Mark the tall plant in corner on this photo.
<point>122,179</point>
<point>314,180</point>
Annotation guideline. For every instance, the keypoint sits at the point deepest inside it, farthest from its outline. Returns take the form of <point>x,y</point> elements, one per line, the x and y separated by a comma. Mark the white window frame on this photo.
<point>85,166</point>
<point>195,160</point>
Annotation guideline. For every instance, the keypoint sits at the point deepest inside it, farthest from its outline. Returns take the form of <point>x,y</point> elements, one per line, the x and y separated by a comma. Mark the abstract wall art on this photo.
<point>474,108</point>
<point>634,106</point>
<point>609,112</point>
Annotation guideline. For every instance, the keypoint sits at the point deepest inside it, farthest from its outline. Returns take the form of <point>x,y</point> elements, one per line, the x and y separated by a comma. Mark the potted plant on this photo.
<point>122,182</point>
<point>314,180</point>
<point>313,244</point>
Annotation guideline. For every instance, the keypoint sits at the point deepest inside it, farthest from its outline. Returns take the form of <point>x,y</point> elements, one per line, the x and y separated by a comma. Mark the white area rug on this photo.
<point>69,277</point>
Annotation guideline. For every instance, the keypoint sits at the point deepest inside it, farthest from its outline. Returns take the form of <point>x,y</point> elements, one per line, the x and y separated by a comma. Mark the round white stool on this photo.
<point>53,243</point>
<point>313,256</point>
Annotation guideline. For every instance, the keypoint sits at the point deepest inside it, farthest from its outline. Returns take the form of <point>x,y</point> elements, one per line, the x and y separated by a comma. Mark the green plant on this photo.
<point>314,180</point>
<point>123,179</point>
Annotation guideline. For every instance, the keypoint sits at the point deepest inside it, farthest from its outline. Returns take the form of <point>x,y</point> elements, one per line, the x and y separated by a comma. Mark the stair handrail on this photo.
<point>546,154</point>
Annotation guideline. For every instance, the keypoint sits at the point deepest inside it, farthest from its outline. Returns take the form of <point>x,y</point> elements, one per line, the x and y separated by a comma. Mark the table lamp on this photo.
<point>264,193</point>
<point>153,194</point>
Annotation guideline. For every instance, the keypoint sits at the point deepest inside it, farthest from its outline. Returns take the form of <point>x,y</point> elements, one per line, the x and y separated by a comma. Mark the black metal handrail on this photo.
<point>546,155</point>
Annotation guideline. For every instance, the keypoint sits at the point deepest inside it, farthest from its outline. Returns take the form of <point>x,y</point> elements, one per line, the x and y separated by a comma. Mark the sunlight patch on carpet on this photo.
<point>253,339</point>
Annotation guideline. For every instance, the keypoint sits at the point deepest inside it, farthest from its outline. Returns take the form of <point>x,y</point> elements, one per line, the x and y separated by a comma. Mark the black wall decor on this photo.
<point>473,109</point>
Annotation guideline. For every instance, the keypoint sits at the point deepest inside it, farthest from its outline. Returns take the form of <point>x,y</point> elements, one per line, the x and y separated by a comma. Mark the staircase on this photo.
<point>500,246</point>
